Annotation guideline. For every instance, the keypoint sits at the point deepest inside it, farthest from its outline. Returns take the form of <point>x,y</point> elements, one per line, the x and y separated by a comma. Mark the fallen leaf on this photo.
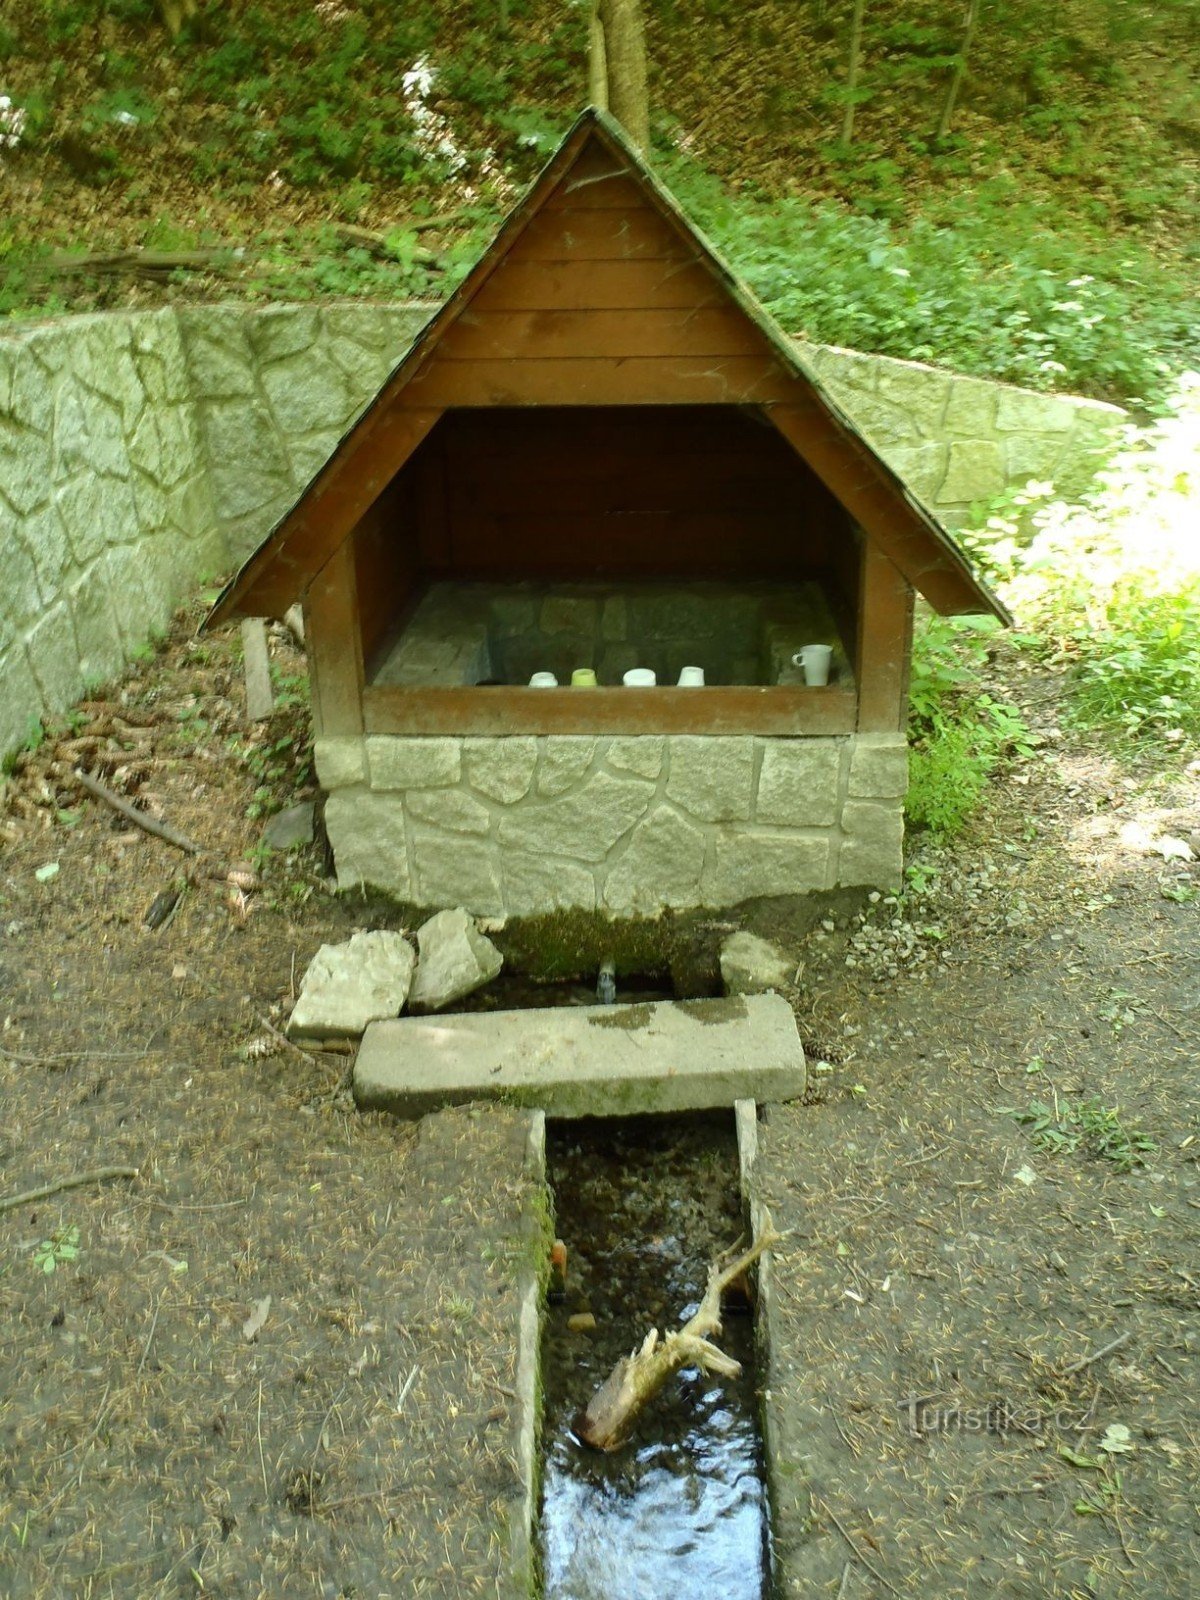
<point>1025,1175</point>
<point>1116,1440</point>
<point>255,1322</point>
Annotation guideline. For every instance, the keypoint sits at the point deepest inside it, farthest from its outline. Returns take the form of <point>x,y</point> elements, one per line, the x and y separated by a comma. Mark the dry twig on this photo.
<point>75,1181</point>
<point>160,830</point>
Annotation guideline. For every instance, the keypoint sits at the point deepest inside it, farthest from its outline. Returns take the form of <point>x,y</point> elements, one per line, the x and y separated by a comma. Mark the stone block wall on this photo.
<point>521,826</point>
<point>738,633</point>
<point>275,388</point>
<point>957,440</point>
<point>140,450</point>
<point>105,512</point>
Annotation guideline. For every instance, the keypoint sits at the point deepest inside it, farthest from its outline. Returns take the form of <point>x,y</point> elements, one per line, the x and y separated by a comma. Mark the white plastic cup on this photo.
<point>640,678</point>
<point>543,680</point>
<point>814,660</point>
<point>691,678</point>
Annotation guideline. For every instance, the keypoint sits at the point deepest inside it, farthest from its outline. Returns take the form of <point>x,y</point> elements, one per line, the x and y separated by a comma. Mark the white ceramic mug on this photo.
<point>543,680</point>
<point>691,678</point>
<point>814,659</point>
<point>640,678</point>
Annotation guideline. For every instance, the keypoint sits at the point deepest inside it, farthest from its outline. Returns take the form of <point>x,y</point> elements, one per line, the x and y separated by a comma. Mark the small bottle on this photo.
<point>606,984</point>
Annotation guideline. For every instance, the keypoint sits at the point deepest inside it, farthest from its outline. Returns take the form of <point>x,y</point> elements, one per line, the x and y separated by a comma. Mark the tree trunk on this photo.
<point>856,30</point>
<point>637,1378</point>
<point>958,72</point>
<point>625,58</point>
<point>597,61</point>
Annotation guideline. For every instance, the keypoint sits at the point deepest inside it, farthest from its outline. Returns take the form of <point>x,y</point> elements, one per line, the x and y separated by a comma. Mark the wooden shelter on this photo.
<point>601,399</point>
<point>602,452</point>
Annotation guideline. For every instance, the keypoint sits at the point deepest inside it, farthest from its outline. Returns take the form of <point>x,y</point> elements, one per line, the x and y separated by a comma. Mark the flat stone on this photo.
<point>291,827</point>
<point>750,865</point>
<point>450,809</point>
<point>798,784</point>
<point>878,766</point>
<point>661,867</point>
<point>564,762</point>
<point>455,960</point>
<point>502,769</point>
<point>750,965</point>
<point>398,763</point>
<point>974,471</point>
<point>449,870</point>
<point>585,823</point>
<point>587,1061</point>
<point>369,840</point>
<point>872,854</point>
<point>536,884</point>
<point>349,985</point>
<point>641,755</point>
<point>712,778</point>
<point>341,762</point>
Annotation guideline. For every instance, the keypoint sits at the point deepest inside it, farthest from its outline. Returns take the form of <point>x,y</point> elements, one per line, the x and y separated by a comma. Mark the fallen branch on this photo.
<point>1116,1344</point>
<point>146,263</point>
<point>637,1378</point>
<point>76,1181</point>
<point>376,244</point>
<point>160,830</point>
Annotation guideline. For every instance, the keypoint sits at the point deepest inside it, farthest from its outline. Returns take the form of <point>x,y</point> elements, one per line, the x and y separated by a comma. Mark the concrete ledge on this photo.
<point>589,1061</point>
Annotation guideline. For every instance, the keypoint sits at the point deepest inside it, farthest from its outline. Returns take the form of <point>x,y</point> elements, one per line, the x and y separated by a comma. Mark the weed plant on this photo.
<point>1109,587</point>
<point>958,733</point>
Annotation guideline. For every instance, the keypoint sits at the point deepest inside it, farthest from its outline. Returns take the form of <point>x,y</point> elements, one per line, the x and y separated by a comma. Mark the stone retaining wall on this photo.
<point>510,827</point>
<point>105,512</point>
<point>141,450</point>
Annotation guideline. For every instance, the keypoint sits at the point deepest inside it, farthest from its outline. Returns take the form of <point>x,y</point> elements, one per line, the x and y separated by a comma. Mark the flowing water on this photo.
<point>643,1206</point>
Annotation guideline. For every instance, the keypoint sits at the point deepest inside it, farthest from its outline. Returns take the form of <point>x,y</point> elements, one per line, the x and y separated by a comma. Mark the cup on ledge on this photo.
<point>543,680</point>
<point>691,677</point>
<point>640,678</point>
<point>814,661</point>
<point>583,678</point>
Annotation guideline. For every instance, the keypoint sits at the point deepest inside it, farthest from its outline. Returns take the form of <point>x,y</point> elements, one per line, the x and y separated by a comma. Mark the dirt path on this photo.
<point>363,1440</point>
<point>940,1387</point>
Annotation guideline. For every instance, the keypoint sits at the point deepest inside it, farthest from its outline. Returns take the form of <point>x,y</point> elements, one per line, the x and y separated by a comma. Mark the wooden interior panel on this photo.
<point>566,494</point>
<point>632,233</point>
<point>503,711</point>
<point>387,564</point>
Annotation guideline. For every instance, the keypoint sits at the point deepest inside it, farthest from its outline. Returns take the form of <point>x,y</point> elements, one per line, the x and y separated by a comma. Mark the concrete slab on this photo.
<point>586,1061</point>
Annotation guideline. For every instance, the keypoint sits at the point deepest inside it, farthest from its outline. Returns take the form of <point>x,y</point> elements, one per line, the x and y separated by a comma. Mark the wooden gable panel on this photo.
<point>602,381</point>
<point>516,335</point>
<point>665,285</point>
<point>620,234</point>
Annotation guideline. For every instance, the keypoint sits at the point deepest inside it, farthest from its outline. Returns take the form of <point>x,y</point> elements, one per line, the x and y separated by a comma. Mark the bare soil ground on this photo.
<point>963,1312</point>
<point>362,1441</point>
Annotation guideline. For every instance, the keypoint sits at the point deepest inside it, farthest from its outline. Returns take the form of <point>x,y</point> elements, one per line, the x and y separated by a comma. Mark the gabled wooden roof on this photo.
<point>598,290</point>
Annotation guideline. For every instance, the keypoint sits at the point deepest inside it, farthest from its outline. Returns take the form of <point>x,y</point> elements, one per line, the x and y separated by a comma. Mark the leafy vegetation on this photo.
<point>958,732</point>
<point>1089,1125</point>
<point>1109,585</point>
<point>989,293</point>
<point>1047,236</point>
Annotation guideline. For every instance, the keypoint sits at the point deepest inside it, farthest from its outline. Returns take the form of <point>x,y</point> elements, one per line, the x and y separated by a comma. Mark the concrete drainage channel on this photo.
<point>644,1201</point>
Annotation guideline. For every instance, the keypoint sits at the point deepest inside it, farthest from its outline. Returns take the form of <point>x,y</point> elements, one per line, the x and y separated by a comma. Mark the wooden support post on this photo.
<point>260,697</point>
<point>885,613</point>
<point>334,634</point>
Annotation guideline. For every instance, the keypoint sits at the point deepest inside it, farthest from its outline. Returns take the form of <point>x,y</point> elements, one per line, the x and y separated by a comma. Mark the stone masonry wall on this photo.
<point>519,826</point>
<point>105,512</point>
<point>140,450</point>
